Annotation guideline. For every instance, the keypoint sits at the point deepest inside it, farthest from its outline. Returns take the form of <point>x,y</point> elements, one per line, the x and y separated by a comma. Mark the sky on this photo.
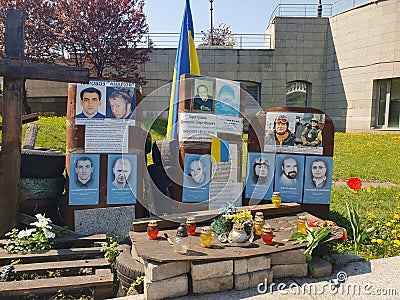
<point>249,16</point>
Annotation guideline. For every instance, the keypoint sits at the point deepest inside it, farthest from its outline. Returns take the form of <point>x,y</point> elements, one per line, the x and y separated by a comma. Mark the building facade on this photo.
<point>346,65</point>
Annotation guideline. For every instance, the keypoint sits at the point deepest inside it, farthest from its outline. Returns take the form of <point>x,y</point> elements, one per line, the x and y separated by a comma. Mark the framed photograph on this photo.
<point>196,180</point>
<point>121,179</point>
<point>84,179</point>
<point>260,175</point>
<point>90,102</point>
<point>290,132</point>
<point>289,176</point>
<point>121,102</point>
<point>227,98</point>
<point>203,95</point>
<point>318,180</point>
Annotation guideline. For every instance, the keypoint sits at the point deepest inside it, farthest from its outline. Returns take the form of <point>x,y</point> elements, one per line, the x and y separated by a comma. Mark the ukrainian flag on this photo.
<point>186,62</point>
<point>219,149</point>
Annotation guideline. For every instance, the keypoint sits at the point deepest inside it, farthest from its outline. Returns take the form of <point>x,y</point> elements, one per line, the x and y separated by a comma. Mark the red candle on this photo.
<point>267,236</point>
<point>152,230</point>
<point>191,226</point>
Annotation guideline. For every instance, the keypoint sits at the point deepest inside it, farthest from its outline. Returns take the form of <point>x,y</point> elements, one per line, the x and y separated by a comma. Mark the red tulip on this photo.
<point>344,237</point>
<point>354,183</point>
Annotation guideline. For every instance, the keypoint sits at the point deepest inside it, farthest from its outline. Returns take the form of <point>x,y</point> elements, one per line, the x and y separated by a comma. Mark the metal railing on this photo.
<point>235,40</point>
<point>311,10</point>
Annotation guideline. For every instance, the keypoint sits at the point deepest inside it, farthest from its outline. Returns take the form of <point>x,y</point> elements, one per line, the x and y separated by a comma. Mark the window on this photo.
<point>388,98</point>
<point>298,93</point>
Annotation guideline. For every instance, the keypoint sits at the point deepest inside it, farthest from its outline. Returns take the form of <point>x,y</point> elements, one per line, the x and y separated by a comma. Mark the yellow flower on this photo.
<point>396,216</point>
<point>368,190</point>
<point>394,231</point>
<point>379,241</point>
<point>388,224</point>
<point>378,222</point>
<point>373,240</point>
<point>396,242</point>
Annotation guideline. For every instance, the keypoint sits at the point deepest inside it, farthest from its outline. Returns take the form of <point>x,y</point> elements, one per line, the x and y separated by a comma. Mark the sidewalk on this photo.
<point>376,279</point>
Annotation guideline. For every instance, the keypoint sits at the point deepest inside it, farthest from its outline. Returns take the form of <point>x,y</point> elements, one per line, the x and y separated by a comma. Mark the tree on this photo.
<point>222,36</point>
<point>99,34</point>
<point>102,34</point>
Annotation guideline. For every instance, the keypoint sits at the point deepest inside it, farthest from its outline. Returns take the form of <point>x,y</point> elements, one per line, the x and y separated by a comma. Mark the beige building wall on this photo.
<point>363,50</point>
<point>341,57</point>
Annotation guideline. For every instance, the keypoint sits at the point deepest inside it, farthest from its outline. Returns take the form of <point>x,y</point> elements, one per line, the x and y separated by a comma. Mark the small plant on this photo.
<point>34,239</point>
<point>312,237</point>
<point>137,284</point>
<point>112,251</point>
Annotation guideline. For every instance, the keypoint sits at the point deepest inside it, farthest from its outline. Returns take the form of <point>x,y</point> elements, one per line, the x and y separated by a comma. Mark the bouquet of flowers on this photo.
<point>223,224</point>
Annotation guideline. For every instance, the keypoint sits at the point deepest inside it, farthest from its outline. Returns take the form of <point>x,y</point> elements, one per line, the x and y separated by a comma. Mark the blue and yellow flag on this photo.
<point>219,149</point>
<point>186,62</point>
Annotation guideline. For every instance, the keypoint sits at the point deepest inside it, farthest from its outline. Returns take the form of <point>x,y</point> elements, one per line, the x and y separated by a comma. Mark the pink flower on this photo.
<point>354,183</point>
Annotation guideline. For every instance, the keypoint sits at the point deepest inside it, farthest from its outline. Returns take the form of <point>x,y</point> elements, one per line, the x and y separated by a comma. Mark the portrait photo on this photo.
<point>317,180</point>
<point>203,95</point>
<point>289,177</point>
<point>260,175</point>
<point>121,179</point>
<point>227,98</point>
<point>90,102</point>
<point>84,174</point>
<point>196,180</point>
<point>121,103</point>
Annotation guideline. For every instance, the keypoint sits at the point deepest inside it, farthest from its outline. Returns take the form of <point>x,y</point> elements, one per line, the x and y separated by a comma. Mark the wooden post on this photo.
<point>15,71</point>
<point>12,123</point>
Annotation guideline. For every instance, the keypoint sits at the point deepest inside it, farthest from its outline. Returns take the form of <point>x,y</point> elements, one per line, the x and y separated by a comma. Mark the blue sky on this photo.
<point>249,16</point>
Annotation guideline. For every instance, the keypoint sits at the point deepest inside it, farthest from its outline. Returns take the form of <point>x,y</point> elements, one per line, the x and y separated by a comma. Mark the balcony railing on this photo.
<point>235,41</point>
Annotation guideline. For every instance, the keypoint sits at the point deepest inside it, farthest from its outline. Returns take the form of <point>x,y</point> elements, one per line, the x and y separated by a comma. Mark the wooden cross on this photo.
<point>15,70</point>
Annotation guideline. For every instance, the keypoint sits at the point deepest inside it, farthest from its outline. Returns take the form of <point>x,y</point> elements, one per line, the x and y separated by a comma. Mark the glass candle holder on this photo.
<point>152,230</point>
<point>267,235</point>
<point>258,226</point>
<point>259,215</point>
<point>191,225</point>
<point>181,240</point>
<point>206,237</point>
<point>301,224</point>
<point>276,199</point>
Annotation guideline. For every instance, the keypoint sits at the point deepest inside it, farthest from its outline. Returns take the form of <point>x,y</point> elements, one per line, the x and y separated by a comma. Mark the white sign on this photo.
<point>222,193</point>
<point>197,127</point>
<point>107,137</point>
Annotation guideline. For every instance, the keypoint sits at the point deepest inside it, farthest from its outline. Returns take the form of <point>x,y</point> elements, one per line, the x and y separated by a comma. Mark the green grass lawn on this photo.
<point>371,157</point>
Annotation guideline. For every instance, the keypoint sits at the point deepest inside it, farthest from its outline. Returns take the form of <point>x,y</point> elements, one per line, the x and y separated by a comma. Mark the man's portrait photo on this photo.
<point>121,102</point>
<point>318,180</point>
<point>196,180</point>
<point>203,98</point>
<point>289,178</point>
<point>260,175</point>
<point>84,179</point>
<point>227,98</point>
<point>121,179</point>
<point>280,133</point>
<point>89,102</point>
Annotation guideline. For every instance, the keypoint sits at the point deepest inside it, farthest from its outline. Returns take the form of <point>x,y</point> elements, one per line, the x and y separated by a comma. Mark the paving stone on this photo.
<point>208,270</point>
<point>293,270</point>
<point>320,267</point>
<point>212,285</point>
<point>253,279</point>
<point>167,288</point>
<point>252,264</point>
<point>156,271</point>
<point>288,257</point>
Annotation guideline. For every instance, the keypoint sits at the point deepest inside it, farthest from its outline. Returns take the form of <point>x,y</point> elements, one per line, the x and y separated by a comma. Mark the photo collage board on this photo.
<point>292,162</point>
<point>214,116</point>
<point>106,109</point>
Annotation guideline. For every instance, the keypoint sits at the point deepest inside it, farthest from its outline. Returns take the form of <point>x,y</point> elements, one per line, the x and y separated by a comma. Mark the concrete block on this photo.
<point>114,221</point>
<point>294,270</point>
<point>288,257</point>
<point>246,281</point>
<point>213,285</point>
<point>320,267</point>
<point>251,264</point>
<point>208,270</point>
<point>168,288</point>
<point>156,271</point>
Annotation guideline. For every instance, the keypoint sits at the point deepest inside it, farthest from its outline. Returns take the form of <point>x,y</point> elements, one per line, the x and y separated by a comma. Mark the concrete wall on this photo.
<point>363,50</point>
<point>340,57</point>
